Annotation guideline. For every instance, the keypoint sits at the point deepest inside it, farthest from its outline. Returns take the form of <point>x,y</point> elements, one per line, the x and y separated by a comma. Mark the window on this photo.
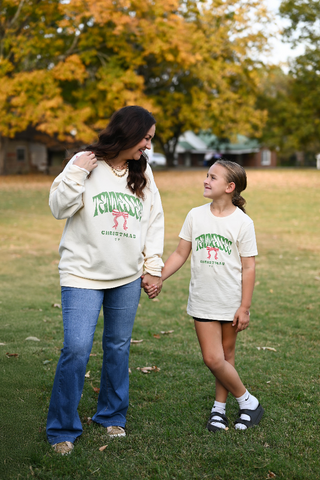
<point>21,154</point>
<point>265,157</point>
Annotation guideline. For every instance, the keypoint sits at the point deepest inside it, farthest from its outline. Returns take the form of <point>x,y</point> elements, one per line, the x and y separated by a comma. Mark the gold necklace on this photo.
<point>115,170</point>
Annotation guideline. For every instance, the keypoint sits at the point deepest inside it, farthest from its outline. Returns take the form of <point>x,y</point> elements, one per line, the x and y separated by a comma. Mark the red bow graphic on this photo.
<point>210,249</point>
<point>118,214</point>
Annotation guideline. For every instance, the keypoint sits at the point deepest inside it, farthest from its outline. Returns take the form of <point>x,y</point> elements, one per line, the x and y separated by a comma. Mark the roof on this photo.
<point>208,142</point>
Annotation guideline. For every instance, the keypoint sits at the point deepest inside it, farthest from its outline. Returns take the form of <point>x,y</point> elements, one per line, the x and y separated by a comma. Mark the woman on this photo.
<point>113,235</point>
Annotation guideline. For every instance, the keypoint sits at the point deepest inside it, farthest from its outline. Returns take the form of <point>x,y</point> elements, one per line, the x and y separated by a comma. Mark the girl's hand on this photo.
<point>151,291</point>
<point>241,319</point>
<point>87,161</point>
<point>151,285</point>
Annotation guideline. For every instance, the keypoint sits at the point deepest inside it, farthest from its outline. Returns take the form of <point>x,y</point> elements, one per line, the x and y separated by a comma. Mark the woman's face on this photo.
<point>134,153</point>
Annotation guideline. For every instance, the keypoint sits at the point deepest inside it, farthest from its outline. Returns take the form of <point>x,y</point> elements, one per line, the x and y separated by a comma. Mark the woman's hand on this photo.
<point>87,161</point>
<point>151,285</point>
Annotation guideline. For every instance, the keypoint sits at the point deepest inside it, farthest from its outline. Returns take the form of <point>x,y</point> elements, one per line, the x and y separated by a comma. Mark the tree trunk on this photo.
<point>169,149</point>
<point>3,170</point>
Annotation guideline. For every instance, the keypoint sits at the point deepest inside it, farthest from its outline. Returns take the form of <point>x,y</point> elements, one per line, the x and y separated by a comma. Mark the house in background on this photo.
<point>33,152</point>
<point>20,155</point>
<point>203,149</point>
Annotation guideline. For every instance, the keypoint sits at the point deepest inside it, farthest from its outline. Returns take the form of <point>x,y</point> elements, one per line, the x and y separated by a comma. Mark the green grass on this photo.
<point>168,410</point>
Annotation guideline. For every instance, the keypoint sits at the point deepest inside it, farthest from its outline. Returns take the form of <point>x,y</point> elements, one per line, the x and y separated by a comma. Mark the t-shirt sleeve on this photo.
<point>186,230</point>
<point>247,244</point>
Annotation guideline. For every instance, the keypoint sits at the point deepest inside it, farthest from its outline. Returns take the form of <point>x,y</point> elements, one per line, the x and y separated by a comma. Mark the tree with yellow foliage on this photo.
<point>65,67</point>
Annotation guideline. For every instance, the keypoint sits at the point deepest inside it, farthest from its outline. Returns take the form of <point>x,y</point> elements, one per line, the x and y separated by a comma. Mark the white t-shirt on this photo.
<point>218,243</point>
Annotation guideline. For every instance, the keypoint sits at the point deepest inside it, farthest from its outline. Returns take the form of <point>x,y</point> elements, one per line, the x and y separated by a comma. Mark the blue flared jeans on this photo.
<point>80,310</point>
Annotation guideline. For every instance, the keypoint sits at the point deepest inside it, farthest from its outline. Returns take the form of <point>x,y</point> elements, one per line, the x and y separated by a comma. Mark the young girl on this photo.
<point>223,244</point>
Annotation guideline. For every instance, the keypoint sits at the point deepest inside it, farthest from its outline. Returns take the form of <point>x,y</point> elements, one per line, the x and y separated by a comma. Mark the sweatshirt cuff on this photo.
<point>153,266</point>
<point>76,174</point>
<point>84,169</point>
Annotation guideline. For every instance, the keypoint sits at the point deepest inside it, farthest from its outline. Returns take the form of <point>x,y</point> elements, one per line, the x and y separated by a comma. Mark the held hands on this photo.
<point>87,161</point>
<point>241,319</point>
<point>151,285</point>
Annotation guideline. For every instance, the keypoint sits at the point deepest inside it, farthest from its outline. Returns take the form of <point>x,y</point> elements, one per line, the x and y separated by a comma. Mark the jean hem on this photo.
<point>62,438</point>
<point>111,423</point>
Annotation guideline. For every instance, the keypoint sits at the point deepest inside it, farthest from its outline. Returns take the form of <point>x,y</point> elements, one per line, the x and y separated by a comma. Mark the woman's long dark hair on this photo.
<point>127,127</point>
<point>236,174</point>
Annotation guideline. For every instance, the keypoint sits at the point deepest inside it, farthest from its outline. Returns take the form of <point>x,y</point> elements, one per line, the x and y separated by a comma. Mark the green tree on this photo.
<point>293,100</point>
<point>65,67</point>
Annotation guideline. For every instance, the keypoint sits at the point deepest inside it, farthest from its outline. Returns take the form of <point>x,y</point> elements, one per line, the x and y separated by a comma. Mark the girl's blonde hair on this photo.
<point>236,174</point>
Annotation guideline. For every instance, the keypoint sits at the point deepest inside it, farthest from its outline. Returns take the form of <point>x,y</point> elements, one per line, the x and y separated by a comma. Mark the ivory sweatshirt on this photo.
<point>111,236</point>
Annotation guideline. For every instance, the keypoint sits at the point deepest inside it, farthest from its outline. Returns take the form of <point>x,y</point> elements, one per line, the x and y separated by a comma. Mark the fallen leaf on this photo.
<point>93,354</point>
<point>155,300</point>
<point>156,335</point>
<point>267,348</point>
<point>136,341</point>
<point>47,361</point>
<point>34,339</point>
<point>271,474</point>
<point>266,445</point>
<point>103,448</point>
<point>310,307</point>
<point>56,305</point>
<point>12,354</point>
<point>256,284</point>
<point>87,375</point>
<point>167,332</point>
<point>149,369</point>
<point>271,291</point>
<point>96,389</point>
<point>317,278</point>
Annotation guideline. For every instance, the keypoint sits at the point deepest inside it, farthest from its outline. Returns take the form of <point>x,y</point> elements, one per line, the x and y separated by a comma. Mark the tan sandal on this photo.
<point>116,432</point>
<point>64,448</point>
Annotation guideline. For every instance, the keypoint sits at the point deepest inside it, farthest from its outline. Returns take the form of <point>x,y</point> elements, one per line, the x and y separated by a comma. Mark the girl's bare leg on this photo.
<point>217,342</point>
<point>229,337</point>
<point>210,339</point>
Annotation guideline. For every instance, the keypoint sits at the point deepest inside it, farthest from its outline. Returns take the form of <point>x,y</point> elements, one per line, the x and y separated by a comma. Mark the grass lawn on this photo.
<point>166,435</point>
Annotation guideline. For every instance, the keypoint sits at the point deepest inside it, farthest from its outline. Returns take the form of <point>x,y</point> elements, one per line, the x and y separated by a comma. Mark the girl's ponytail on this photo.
<point>239,201</point>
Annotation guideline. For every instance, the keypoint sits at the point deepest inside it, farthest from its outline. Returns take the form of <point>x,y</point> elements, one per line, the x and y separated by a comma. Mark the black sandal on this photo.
<point>224,421</point>
<point>255,416</point>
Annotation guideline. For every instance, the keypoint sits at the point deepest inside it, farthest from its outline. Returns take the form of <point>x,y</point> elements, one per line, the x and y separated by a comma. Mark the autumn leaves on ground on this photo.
<point>277,357</point>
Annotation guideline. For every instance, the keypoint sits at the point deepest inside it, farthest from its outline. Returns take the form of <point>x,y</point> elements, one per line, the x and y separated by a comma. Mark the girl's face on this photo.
<point>134,153</point>
<point>216,185</point>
